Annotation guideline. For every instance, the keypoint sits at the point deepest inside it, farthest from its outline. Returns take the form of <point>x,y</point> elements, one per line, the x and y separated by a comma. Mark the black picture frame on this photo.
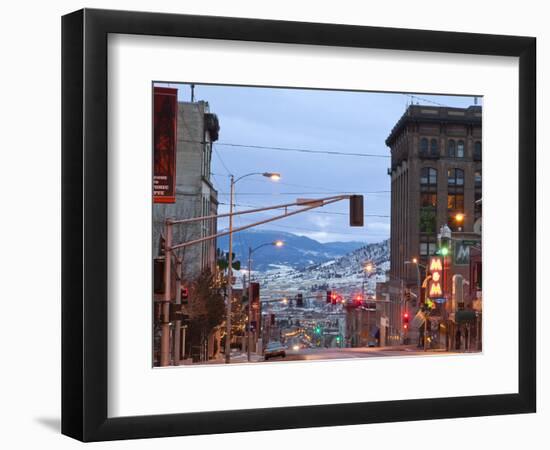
<point>84,224</point>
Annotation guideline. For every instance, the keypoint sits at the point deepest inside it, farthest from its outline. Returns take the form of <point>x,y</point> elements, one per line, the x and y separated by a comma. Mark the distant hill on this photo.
<point>298,252</point>
<point>344,274</point>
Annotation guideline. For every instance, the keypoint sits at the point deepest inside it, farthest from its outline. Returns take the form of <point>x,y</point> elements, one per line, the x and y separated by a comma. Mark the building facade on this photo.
<point>193,196</point>
<point>197,129</point>
<point>435,181</point>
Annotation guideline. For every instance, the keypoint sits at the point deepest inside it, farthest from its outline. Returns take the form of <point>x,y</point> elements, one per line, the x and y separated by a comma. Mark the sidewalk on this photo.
<point>237,357</point>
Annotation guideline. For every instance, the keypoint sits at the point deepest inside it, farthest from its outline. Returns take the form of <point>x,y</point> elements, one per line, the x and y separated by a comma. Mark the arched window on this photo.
<point>451,149</point>
<point>455,177</point>
<point>424,146</point>
<point>434,150</point>
<point>428,177</point>
<point>460,149</point>
<point>477,151</point>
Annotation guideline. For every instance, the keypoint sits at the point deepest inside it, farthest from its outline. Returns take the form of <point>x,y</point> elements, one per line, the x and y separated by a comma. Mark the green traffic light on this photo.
<point>444,251</point>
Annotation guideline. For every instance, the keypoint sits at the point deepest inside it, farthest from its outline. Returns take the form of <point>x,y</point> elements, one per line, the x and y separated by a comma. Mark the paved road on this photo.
<point>346,353</point>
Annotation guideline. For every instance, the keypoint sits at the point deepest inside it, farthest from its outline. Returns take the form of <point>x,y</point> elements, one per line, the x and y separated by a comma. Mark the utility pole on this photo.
<point>177,323</point>
<point>249,332</point>
<point>229,278</point>
<point>165,314</point>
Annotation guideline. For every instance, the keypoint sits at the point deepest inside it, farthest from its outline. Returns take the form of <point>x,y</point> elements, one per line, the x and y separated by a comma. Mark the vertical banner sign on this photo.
<point>165,113</point>
<point>435,289</point>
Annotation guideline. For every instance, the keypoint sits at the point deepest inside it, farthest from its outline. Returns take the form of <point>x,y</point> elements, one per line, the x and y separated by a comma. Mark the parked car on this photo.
<point>274,349</point>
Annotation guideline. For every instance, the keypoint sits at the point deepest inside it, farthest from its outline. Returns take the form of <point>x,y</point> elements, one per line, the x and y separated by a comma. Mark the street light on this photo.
<point>251,250</point>
<point>369,267</point>
<point>459,219</point>
<point>274,176</point>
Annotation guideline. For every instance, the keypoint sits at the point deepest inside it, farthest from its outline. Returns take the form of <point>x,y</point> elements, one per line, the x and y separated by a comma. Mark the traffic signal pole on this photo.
<point>305,205</point>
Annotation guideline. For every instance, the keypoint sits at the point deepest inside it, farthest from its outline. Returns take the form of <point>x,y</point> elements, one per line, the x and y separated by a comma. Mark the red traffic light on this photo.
<point>406,316</point>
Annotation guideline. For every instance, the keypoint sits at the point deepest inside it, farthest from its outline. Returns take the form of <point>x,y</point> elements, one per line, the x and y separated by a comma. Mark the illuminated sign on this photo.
<point>164,144</point>
<point>435,289</point>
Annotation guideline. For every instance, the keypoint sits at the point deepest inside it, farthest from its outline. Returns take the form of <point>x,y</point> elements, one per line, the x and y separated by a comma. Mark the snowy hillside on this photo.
<point>344,275</point>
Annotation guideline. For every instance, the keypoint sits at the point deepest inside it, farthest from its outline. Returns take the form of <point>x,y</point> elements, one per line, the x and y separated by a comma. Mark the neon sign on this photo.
<point>436,268</point>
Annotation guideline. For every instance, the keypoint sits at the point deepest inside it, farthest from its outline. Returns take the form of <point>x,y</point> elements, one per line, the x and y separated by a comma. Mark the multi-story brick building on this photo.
<point>435,179</point>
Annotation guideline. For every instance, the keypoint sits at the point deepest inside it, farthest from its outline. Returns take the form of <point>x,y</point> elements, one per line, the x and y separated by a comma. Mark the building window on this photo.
<point>455,177</point>
<point>427,248</point>
<point>434,148</point>
<point>460,149</point>
<point>427,220</point>
<point>455,203</point>
<point>451,149</point>
<point>428,199</point>
<point>423,147</point>
<point>477,151</point>
<point>428,178</point>
<point>478,179</point>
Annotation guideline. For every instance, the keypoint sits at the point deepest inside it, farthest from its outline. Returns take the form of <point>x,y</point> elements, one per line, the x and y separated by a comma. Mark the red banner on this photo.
<point>165,114</point>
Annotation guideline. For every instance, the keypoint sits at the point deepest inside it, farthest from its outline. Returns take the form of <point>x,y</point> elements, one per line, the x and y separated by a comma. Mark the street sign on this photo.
<point>309,202</point>
<point>462,252</point>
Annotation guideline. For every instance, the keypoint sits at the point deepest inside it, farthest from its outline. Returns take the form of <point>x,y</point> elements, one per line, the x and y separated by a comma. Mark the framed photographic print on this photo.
<point>273,224</point>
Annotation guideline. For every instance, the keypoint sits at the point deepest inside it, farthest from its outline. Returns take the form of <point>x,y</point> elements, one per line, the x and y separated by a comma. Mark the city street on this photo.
<point>319,354</point>
<point>312,354</point>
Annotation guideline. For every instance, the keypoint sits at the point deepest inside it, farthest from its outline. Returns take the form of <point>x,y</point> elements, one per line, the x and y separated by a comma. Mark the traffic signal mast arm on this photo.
<point>315,203</point>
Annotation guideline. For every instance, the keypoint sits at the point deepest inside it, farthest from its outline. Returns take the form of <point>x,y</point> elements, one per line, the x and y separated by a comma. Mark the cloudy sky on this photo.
<point>316,121</point>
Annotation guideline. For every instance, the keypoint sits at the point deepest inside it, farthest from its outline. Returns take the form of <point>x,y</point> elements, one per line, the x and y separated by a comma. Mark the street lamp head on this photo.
<point>274,176</point>
<point>415,260</point>
<point>278,243</point>
<point>459,217</point>
<point>369,267</point>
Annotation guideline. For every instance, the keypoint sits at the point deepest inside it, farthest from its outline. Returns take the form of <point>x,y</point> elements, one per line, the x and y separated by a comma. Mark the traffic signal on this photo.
<point>358,300</point>
<point>158,275</point>
<point>299,301</point>
<point>356,211</point>
<point>184,294</point>
<point>329,297</point>
<point>333,298</point>
<point>406,321</point>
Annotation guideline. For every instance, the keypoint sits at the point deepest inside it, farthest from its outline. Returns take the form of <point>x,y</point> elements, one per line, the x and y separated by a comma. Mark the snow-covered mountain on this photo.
<point>298,252</point>
<point>344,274</point>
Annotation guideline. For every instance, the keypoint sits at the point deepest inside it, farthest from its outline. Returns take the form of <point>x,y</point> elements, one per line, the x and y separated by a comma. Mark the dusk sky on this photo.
<point>318,120</point>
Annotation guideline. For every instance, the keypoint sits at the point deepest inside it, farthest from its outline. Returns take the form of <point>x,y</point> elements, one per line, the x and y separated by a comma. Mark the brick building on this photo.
<point>435,178</point>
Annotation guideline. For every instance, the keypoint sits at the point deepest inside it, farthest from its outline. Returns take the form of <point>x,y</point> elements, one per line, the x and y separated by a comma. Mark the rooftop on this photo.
<point>435,114</point>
